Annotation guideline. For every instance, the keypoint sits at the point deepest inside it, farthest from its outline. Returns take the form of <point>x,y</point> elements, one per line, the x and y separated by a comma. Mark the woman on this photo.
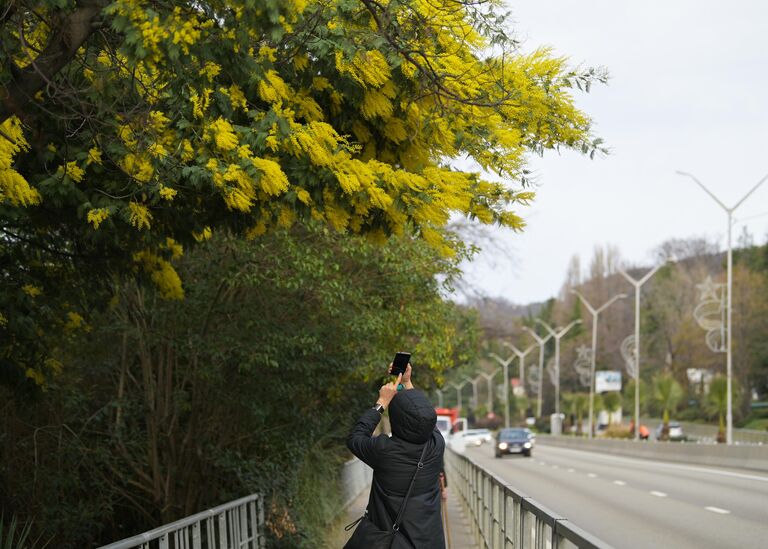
<point>394,461</point>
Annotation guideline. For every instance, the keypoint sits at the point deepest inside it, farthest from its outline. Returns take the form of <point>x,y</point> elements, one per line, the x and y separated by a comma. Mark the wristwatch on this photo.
<point>379,408</point>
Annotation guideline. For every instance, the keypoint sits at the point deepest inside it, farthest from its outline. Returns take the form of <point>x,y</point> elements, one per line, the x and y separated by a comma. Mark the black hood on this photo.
<point>412,416</point>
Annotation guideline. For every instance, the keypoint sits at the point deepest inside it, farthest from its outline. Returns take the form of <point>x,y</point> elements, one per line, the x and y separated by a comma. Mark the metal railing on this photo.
<point>238,524</point>
<point>501,517</point>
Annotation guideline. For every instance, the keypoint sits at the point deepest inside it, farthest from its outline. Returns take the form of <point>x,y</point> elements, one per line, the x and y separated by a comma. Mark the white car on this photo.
<point>475,437</point>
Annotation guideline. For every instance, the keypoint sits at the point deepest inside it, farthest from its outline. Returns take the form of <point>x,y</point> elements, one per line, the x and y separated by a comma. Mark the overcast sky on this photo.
<point>688,91</point>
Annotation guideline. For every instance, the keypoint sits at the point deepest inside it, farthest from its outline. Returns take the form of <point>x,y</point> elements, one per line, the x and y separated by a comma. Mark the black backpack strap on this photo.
<point>420,465</point>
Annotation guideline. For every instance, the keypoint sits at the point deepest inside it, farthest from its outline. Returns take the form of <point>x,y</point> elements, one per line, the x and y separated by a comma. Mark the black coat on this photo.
<point>394,460</point>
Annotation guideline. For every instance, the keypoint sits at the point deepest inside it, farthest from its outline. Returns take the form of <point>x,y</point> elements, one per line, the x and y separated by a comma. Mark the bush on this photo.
<point>618,431</point>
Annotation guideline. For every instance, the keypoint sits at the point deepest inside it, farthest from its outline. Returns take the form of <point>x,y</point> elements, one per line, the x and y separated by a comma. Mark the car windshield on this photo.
<point>513,434</point>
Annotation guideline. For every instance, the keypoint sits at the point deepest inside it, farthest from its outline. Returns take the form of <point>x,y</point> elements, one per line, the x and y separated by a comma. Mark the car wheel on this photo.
<point>528,454</point>
<point>498,455</point>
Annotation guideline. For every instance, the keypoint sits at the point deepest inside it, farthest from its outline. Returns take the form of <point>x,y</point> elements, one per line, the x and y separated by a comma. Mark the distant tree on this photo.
<point>716,402</point>
<point>611,403</point>
<point>667,393</point>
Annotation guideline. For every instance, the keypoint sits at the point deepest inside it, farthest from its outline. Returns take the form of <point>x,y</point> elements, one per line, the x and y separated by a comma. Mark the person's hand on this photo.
<point>388,392</point>
<point>406,376</point>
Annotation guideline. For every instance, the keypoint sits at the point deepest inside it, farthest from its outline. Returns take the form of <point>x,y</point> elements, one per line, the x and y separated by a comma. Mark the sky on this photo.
<point>688,91</point>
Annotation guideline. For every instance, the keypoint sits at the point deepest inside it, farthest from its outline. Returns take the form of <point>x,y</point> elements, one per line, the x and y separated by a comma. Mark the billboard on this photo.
<point>607,380</point>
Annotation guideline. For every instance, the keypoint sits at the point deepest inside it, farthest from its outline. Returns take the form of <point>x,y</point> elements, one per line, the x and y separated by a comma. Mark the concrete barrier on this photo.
<point>720,455</point>
<point>356,477</point>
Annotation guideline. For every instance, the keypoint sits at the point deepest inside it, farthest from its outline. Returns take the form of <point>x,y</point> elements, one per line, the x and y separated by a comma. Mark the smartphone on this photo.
<point>400,363</point>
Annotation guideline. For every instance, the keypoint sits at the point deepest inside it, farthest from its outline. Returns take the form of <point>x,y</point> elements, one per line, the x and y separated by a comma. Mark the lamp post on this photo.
<point>729,301</point>
<point>489,378</point>
<point>520,355</point>
<point>458,388</point>
<point>540,341</point>
<point>439,398</point>
<point>595,314</point>
<point>557,334</point>
<point>473,382</point>
<point>638,284</point>
<point>505,365</point>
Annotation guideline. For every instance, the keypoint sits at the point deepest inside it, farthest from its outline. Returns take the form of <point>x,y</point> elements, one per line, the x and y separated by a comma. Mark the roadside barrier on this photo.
<point>356,477</point>
<point>501,517</point>
<point>239,523</point>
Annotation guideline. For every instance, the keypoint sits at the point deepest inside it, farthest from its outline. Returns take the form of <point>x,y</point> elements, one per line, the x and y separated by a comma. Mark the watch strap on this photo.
<point>379,408</point>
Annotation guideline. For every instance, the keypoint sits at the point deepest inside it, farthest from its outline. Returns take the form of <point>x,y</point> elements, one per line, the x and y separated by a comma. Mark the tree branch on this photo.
<point>71,32</point>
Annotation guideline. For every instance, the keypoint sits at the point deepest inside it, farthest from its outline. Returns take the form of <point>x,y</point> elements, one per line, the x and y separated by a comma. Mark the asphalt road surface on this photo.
<point>638,503</point>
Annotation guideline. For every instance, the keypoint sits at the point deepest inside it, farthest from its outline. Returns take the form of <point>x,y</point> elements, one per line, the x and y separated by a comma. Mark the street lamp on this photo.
<point>490,377</point>
<point>638,284</point>
<point>458,388</point>
<point>540,342</point>
<point>595,314</point>
<point>439,398</point>
<point>557,334</point>
<point>474,390</point>
<point>521,355</point>
<point>505,365</point>
<point>729,306</point>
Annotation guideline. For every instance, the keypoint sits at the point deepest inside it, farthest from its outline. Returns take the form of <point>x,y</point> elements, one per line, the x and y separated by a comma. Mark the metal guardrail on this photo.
<point>238,524</point>
<point>707,434</point>
<point>501,517</point>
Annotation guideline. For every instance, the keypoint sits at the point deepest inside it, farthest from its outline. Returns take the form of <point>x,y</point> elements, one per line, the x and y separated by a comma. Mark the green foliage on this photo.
<point>716,403</point>
<point>667,393</point>
<point>612,401</point>
<point>14,535</point>
<point>248,385</point>
<point>628,396</point>
<point>146,120</point>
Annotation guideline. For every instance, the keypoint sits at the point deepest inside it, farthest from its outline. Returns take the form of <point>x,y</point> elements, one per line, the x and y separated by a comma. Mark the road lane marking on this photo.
<point>658,494</point>
<point>718,510</point>
<point>620,482</point>
<point>591,475</point>
<point>661,464</point>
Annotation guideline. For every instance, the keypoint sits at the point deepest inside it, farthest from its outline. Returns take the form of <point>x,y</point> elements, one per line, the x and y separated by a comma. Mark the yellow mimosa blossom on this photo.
<point>31,290</point>
<point>273,181</point>
<point>200,103</point>
<point>162,273</point>
<point>139,215</point>
<point>257,230</point>
<point>72,170</point>
<point>74,321</point>
<point>94,156</point>
<point>303,196</point>
<point>205,234</point>
<point>210,71</point>
<point>13,187</point>
<point>96,216</point>
<point>267,53</point>
<point>176,249</point>
<point>138,166</point>
<point>187,152</point>
<point>36,376</point>
<point>223,134</point>
<point>167,193</point>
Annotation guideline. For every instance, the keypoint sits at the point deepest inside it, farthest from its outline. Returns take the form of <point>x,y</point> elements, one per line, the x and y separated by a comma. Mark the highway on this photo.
<point>638,503</point>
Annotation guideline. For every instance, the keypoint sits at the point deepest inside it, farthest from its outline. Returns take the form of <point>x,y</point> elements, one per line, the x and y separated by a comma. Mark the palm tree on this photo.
<point>612,403</point>
<point>667,393</point>
<point>580,405</point>
<point>717,402</point>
